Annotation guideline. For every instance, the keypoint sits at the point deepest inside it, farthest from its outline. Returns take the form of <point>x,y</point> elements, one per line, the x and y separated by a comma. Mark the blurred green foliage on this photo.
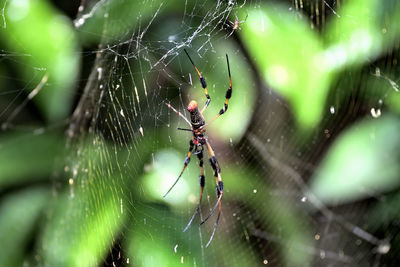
<point>363,161</point>
<point>301,65</point>
<point>19,214</point>
<point>111,194</point>
<point>287,54</point>
<point>48,46</point>
<point>28,157</point>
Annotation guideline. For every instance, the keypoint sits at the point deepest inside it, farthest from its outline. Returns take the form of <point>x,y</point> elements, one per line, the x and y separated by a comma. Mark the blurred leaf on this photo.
<point>293,61</point>
<point>46,43</point>
<point>28,157</point>
<point>394,101</point>
<point>18,215</point>
<point>107,21</point>
<point>110,21</point>
<point>277,214</point>
<point>161,175</point>
<point>83,228</point>
<point>362,162</point>
<point>149,244</point>
<point>156,239</point>
<point>86,221</point>
<point>286,53</point>
<point>361,32</point>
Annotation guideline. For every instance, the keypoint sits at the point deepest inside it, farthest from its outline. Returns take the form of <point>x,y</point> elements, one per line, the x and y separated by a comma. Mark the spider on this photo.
<point>236,25</point>
<point>199,140</point>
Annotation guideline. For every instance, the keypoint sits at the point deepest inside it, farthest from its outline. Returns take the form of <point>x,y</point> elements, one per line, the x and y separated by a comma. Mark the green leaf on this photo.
<point>18,215</point>
<point>361,32</point>
<point>286,52</point>
<point>82,229</point>
<point>28,157</point>
<point>47,45</point>
<point>293,61</point>
<point>362,162</point>
<point>86,219</point>
<point>108,21</point>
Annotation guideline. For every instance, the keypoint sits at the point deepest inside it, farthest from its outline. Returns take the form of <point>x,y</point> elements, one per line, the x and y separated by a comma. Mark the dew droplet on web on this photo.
<point>75,172</point>
<point>141,130</point>
<point>38,131</point>
<point>332,109</point>
<point>79,22</point>
<point>377,72</point>
<point>322,254</point>
<point>376,113</point>
<point>255,191</point>
<point>383,248</point>
<point>171,38</point>
<point>99,73</point>
<point>265,262</point>
<point>304,199</point>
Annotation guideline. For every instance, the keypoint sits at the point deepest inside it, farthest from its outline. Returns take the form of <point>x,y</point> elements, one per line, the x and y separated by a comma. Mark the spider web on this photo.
<point>124,151</point>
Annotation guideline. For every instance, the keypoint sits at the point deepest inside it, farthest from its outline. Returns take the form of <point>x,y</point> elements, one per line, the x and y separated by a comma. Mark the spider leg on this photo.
<point>187,160</point>
<point>230,34</point>
<point>219,189</point>
<point>202,81</point>
<point>228,95</point>
<point>216,224</point>
<point>243,21</point>
<point>180,114</point>
<point>236,18</point>
<point>202,182</point>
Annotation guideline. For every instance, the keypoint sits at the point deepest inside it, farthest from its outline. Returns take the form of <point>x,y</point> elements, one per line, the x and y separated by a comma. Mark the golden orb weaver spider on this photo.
<point>197,127</point>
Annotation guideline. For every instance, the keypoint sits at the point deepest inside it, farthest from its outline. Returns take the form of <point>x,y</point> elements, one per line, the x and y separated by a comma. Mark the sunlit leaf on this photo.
<point>86,219</point>
<point>361,163</point>
<point>286,51</point>
<point>18,215</point>
<point>46,44</point>
<point>360,32</point>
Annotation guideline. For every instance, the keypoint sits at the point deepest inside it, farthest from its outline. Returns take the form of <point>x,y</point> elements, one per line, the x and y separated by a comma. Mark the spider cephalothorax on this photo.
<point>196,118</point>
<point>197,143</point>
